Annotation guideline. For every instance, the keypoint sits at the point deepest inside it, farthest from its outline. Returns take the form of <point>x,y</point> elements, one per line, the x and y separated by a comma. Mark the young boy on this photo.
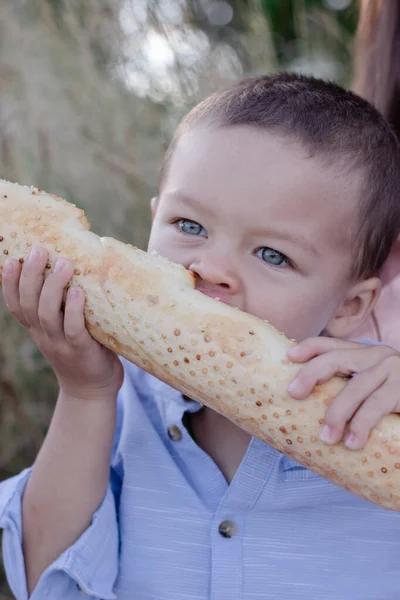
<point>282,196</point>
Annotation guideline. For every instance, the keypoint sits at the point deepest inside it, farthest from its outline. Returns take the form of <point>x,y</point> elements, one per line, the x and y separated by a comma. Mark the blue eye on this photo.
<point>191,227</point>
<point>272,257</point>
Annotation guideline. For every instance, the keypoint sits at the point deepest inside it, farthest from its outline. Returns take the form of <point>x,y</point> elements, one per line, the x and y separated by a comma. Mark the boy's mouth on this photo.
<point>217,295</point>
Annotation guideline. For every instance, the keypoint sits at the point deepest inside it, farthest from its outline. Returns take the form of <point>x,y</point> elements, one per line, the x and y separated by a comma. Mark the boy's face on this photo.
<point>263,227</point>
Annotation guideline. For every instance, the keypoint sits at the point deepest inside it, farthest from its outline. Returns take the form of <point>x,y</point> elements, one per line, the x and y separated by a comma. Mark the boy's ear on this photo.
<point>355,308</point>
<point>154,206</point>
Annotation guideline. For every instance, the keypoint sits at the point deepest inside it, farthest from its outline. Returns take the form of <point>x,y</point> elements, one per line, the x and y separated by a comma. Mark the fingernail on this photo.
<point>34,254</point>
<point>74,292</point>
<point>352,441</point>
<point>8,267</point>
<point>326,435</point>
<point>60,264</point>
<point>294,387</point>
<point>293,351</point>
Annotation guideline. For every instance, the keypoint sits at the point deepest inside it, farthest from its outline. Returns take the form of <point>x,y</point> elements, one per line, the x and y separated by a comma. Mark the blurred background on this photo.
<point>90,94</point>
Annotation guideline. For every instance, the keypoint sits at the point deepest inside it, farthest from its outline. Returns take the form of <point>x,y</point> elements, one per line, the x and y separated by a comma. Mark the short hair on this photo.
<point>331,123</point>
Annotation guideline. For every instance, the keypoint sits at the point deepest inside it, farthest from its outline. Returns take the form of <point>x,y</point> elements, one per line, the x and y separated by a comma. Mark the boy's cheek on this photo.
<point>163,242</point>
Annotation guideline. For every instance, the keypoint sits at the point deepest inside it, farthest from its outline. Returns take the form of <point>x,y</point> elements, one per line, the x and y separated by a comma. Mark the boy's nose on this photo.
<point>216,271</point>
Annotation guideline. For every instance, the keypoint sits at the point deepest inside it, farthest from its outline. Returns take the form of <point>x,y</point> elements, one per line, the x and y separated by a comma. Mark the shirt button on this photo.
<point>227,529</point>
<point>174,433</point>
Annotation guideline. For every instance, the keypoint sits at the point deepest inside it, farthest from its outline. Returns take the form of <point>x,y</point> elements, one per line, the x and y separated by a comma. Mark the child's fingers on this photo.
<point>380,403</point>
<point>343,408</point>
<point>31,283</point>
<point>343,362</point>
<point>312,347</point>
<point>50,302</point>
<point>321,369</point>
<point>10,277</point>
<point>74,321</point>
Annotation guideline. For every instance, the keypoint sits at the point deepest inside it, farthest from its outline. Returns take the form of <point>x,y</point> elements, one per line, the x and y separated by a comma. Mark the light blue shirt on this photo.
<point>156,535</point>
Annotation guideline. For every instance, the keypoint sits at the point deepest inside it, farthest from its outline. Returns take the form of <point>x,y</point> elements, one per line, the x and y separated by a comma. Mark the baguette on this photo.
<point>146,309</point>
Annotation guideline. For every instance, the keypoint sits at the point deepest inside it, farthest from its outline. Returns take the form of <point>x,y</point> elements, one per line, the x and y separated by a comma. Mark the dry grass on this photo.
<point>68,127</point>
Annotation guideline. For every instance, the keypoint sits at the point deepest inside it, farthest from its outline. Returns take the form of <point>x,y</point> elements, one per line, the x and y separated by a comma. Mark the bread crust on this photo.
<point>146,309</point>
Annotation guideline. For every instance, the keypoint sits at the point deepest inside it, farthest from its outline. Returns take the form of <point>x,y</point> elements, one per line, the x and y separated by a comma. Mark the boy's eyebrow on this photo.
<point>290,237</point>
<point>283,235</point>
<point>189,201</point>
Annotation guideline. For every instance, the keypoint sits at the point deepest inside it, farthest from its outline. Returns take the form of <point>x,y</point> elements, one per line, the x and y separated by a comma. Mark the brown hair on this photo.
<point>376,75</point>
<point>332,123</point>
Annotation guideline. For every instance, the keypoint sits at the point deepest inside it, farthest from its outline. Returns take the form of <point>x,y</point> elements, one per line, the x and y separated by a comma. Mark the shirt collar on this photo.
<point>172,405</point>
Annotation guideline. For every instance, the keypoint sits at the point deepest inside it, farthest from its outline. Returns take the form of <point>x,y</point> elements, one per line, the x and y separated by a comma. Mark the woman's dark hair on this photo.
<point>376,69</point>
<point>376,75</point>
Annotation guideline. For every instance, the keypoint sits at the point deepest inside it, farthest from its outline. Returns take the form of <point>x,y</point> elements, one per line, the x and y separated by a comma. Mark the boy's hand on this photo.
<point>373,392</point>
<point>84,368</point>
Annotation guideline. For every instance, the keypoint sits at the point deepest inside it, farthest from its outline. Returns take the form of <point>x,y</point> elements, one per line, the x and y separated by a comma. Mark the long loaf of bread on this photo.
<point>147,310</point>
